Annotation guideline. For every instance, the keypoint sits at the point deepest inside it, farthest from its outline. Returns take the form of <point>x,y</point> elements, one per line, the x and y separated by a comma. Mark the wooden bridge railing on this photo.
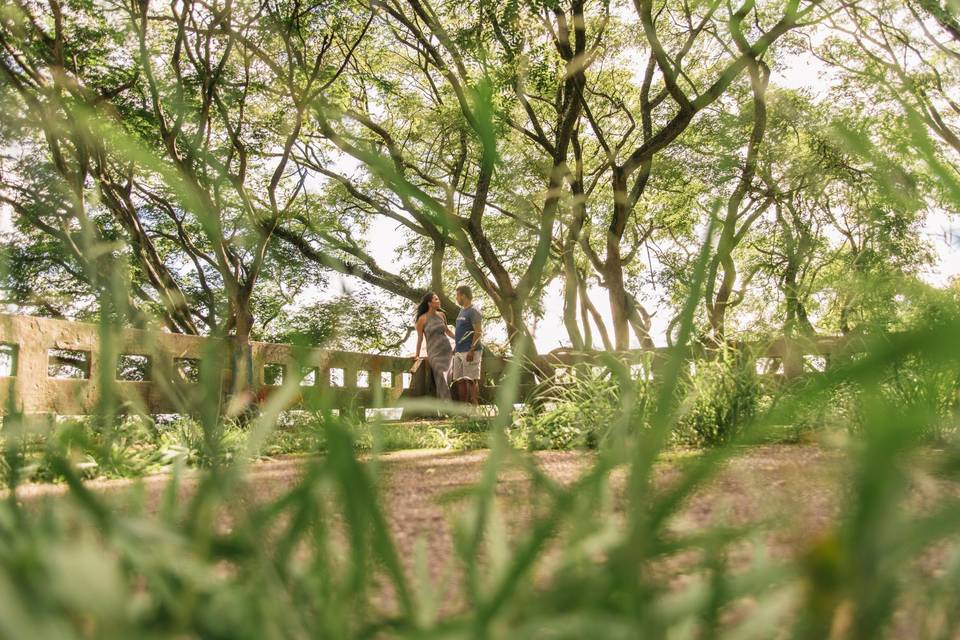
<point>52,366</point>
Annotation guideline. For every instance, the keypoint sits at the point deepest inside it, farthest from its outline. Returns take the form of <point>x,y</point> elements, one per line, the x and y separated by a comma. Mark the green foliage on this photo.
<point>458,435</point>
<point>176,571</point>
<point>156,152</point>
<point>578,412</point>
<point>722,398</point>
<point>926,388</point>
<point>920,384</point>
<point>354,321</point>
<point>813,412</point>
<point>134,447</point>
<point>186,437</point>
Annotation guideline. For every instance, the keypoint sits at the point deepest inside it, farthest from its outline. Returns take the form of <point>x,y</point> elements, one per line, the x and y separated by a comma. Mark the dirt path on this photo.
<point>795,489</point>
<point>795,486</point>
<point>755,483</point>
<point>793,492</point>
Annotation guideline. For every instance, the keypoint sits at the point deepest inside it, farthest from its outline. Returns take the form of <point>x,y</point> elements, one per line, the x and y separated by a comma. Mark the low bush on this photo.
<point>459,435</point>
<point>128,447</point>
<point>135,446</point>
<point>721,395</point>
<point>579,413</point>
<point>802,410</point>
<point>718,398</point>
<point>184,436</point>
<point>928,390</point>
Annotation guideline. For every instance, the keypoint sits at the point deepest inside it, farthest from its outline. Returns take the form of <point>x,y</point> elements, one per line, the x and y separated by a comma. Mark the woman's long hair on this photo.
<point>424,305</point>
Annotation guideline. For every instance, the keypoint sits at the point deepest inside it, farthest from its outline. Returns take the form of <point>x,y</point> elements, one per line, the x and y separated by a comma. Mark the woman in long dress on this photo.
<point>432,324</point>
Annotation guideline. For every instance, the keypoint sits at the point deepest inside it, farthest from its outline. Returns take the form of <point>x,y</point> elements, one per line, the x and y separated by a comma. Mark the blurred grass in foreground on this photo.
<point>317,561</point>
<point>593,560</point>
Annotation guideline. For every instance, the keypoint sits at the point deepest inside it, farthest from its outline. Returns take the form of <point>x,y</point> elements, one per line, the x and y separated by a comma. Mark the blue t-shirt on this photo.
<point>463,333</point>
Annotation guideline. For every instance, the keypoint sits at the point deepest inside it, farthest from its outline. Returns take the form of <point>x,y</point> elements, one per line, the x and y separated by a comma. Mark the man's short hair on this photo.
<point>465,290</point>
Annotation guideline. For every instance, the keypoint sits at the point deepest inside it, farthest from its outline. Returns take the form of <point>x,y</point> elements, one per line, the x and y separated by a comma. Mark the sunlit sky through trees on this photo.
<point>801,72</point>
<point>822,199</point>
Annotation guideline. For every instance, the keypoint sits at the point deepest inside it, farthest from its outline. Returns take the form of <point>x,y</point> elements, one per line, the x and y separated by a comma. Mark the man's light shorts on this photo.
<point>460,369</point>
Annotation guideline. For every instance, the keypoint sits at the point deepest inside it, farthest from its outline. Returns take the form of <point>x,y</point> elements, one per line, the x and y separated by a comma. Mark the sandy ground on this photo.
<point>795,491</point>
<point>794,486</point>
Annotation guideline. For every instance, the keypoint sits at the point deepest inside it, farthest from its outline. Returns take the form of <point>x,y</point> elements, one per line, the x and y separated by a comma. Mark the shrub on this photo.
<point>927,390</point>
<point>720,396</point>
<point>296,432</point>
<point>126,447</point>
<point>579,413</point>
<point>471,424</point>
<point>921,389</point>
<point>185,436</point>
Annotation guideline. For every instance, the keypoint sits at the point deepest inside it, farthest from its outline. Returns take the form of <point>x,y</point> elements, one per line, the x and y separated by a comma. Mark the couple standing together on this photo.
<point>456,367</point>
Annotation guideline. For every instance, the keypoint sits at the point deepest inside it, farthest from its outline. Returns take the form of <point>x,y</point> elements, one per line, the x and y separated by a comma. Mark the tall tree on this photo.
<point>427,123</point>
<point>690,66</point>
<point>183,140</point>
<point>905,52</point>
<point>746,203</point>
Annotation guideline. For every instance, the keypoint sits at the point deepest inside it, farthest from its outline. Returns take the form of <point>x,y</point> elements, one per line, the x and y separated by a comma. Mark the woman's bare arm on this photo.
<point>419,326</point>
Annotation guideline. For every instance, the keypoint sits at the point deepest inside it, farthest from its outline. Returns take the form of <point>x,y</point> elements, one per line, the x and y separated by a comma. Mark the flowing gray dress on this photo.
<point>439,353</point>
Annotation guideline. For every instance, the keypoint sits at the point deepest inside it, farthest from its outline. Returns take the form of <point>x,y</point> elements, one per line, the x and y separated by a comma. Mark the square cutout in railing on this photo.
<point>814,363</point>
<point>309,377</point>
<point>770,366</point>
<point>336,377</point>
<point>407,379</point>
<point>386,379</point>
<point>186,370</point>
<point>363,379</point>
<point>273,374</point>
<point>133,367</point>
<point>8,359</point>
<point>68,364</point>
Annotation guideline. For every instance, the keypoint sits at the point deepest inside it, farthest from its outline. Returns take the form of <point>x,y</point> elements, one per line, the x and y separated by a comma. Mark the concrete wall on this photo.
<point>32,343</point>
<point>343,380</point>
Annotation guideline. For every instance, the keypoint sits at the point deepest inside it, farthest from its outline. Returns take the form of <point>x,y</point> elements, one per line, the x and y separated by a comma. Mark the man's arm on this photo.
<point>475,338</point>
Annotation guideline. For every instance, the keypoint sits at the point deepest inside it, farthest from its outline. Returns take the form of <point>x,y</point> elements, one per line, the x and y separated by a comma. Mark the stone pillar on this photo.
<point>349,405</point>
<point>29,385</point>
<point>376,386</point>
<point>792,360</point>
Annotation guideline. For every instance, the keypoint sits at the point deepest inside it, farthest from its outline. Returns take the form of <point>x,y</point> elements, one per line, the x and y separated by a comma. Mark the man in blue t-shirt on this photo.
<point>465,368</point>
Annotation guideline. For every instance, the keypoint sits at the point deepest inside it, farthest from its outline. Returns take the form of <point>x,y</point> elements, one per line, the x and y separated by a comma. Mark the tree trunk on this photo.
<point>571,287</point>
<point>613,265</point>
<point>619,309</point>
<point>731,234</point>
<point>241,363</point>
<point>797,320</point>
<point>640,320</point>
<point>718,308</point>
<point>588,307</point>
<point>585,320</point>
